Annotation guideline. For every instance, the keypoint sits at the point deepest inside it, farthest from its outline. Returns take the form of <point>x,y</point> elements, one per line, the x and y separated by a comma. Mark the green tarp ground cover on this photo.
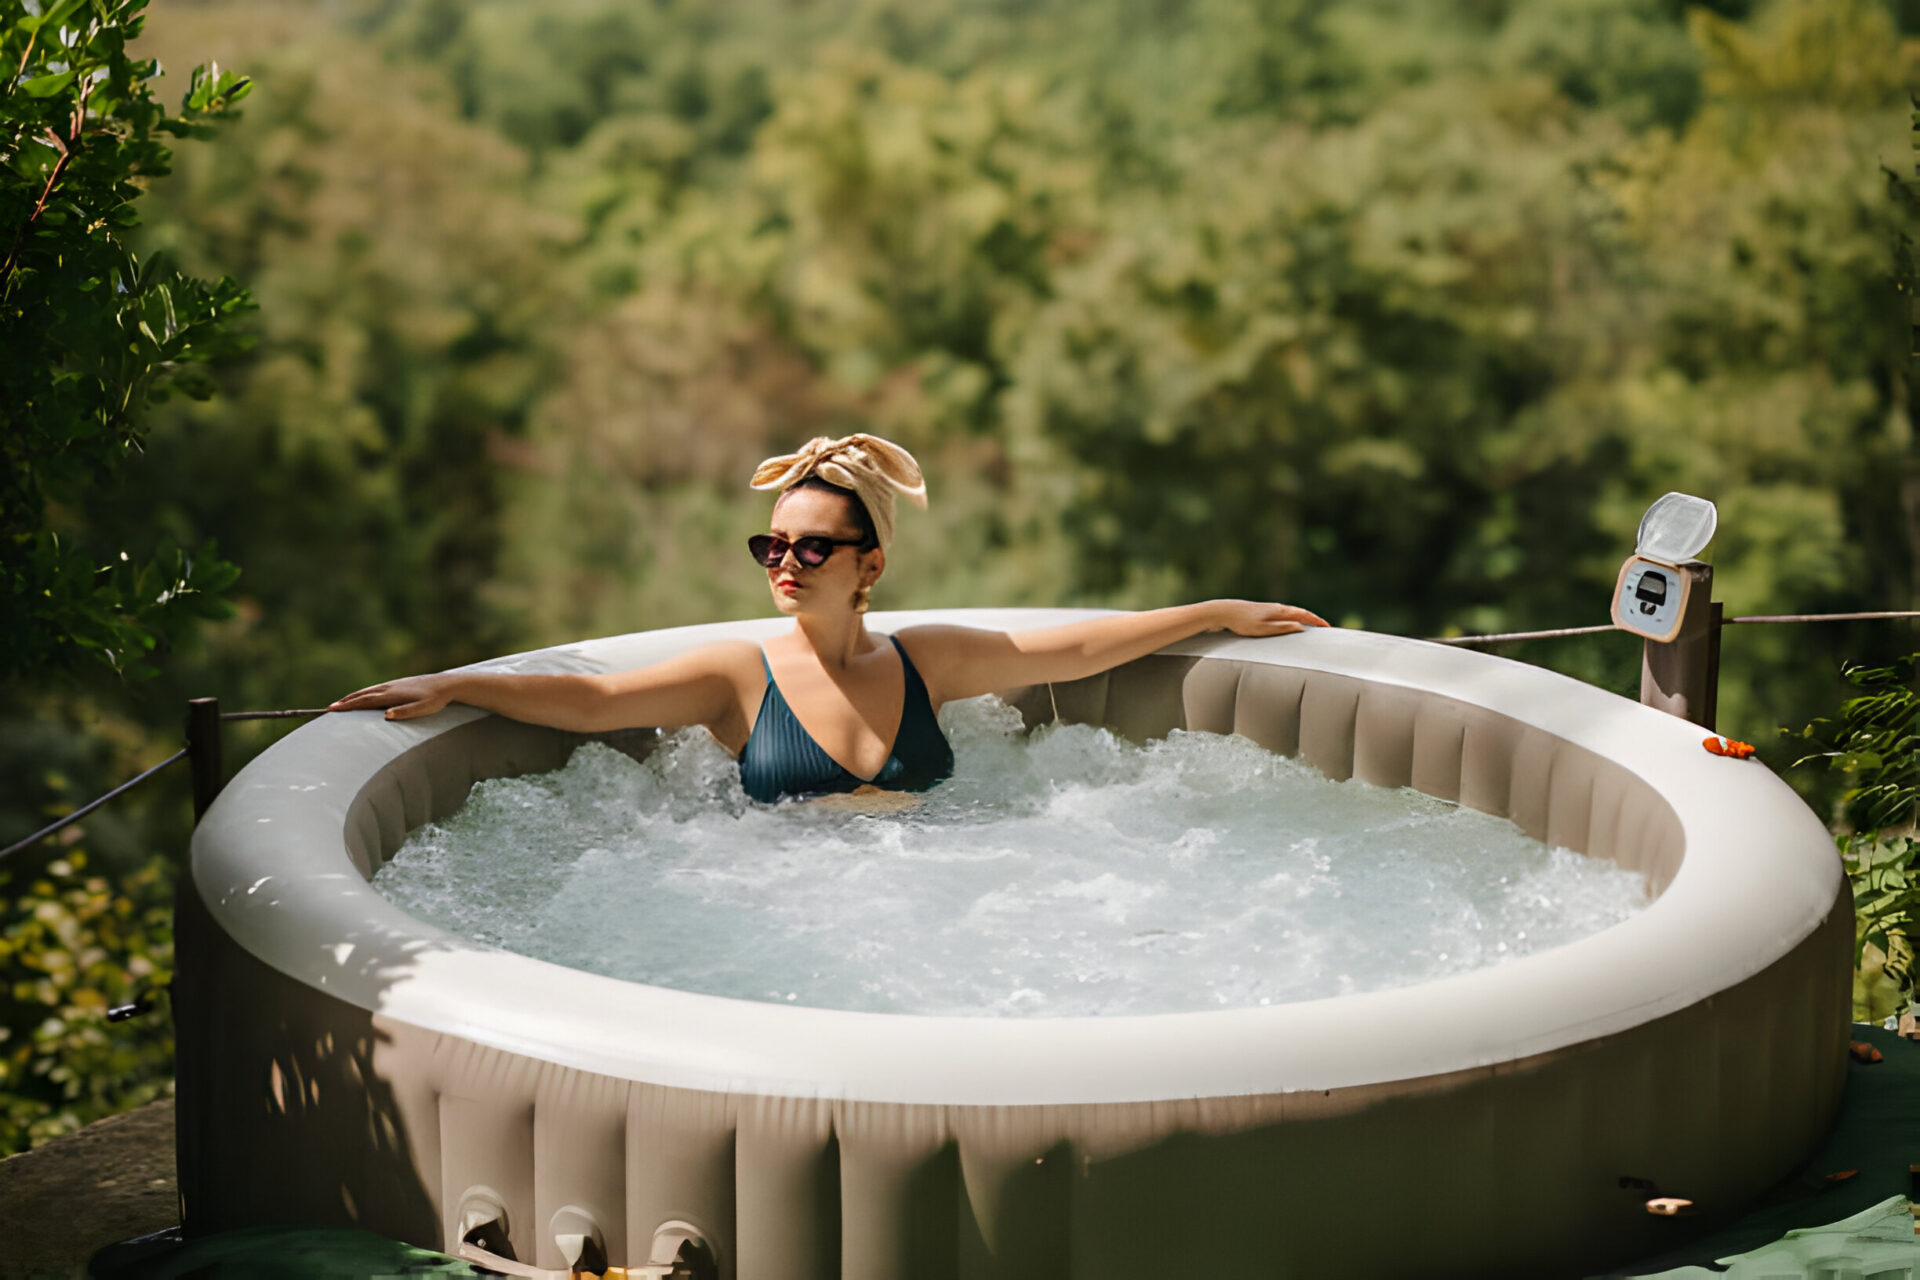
<point>274,1253</point>
<point>1877,1242</point>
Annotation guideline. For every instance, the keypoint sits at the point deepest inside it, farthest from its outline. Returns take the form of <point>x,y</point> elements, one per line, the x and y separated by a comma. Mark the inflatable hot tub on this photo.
<point>342,1063</point>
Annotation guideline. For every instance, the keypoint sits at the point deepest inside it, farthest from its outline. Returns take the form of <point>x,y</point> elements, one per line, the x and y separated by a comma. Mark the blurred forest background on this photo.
<point>1403,310</point>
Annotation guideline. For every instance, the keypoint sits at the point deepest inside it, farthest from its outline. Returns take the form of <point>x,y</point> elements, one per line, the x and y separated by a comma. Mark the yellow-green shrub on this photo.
<point>76,945</point>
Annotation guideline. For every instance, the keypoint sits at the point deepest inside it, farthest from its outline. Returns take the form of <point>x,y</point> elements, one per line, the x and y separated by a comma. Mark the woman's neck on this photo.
<point>836,640</point>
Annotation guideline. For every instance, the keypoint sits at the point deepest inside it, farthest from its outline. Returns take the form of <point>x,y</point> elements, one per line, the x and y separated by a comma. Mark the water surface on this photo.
<point>1063,872</point>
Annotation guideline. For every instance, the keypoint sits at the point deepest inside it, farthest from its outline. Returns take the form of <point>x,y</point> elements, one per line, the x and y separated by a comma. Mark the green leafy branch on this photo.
<point>1874,743</point>
<point>90,334</point>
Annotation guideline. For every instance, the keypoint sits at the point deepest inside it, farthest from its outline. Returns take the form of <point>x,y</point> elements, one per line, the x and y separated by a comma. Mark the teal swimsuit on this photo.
<point>782,759</point>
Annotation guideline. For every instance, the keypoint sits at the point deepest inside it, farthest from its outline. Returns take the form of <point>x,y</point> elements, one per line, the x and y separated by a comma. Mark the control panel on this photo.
<point>1650,599</point>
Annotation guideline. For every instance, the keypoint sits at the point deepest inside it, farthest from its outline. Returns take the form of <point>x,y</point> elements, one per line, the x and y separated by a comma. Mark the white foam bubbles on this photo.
<point>1062,873</point>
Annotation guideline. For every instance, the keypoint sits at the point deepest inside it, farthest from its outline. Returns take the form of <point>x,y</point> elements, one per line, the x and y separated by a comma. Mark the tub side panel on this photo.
<point>579,1156</point>
<point>1487,748</point>
<point>1081,701</point>
<point>1268,706</point>
<point>1017,1175</point>
<point>901,1206</point>
<point>1145,699</point>
<point>1208,694</point>
<point>1383,735</point>
<point>1530,770</point>
<point>486,1141</point>
<point>681,1159</point>
<point>787,1181</point>
<point>1439,728</point>
<point>1649,840</point>
<point>1614,790</point>
<point>1569,791</point>
<point>1329,712</point>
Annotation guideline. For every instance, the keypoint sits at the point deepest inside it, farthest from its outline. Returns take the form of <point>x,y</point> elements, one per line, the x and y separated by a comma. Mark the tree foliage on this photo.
<point>90,334</point>
<point>1403,309</point>
<point>1873,744</point>
<point>74,945</point>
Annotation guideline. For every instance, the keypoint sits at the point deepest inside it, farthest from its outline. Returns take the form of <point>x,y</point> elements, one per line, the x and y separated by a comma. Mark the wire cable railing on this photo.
<point>203,748</point>
<point>60,824</point>
<point>294,714</point>
<point>1557,633</point>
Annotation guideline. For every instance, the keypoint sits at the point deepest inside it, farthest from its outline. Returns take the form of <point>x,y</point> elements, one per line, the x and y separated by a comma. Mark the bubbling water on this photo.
<point>1064,872</point>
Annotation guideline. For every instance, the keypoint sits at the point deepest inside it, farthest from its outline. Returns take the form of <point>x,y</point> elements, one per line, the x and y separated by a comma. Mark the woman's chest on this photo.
<point>855,722</point>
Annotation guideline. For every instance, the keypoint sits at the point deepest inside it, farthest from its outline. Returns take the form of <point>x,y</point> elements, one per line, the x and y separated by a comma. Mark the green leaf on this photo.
<point>48,85</point>
<point>61,11</point>
<point>211,89</point>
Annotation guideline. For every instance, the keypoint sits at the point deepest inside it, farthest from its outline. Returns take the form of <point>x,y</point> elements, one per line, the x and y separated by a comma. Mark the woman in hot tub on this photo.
<point>829,707</point>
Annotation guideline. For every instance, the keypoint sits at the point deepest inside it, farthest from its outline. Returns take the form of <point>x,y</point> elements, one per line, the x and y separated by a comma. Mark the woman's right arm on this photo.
<point>703,687</point>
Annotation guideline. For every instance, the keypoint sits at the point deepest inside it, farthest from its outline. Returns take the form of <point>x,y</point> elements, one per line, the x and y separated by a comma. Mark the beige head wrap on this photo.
<point>875,469</point>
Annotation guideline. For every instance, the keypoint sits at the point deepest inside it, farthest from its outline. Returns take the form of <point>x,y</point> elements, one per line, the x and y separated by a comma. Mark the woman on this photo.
<point>828,706</point>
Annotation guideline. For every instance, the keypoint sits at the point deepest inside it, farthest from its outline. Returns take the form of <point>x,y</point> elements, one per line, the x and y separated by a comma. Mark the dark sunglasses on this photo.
<point>770,549</point>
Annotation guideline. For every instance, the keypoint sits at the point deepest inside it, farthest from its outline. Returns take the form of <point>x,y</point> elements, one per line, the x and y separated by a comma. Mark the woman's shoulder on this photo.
<point>933,636</point>
<point>730,656</point>
<point>938,650</point>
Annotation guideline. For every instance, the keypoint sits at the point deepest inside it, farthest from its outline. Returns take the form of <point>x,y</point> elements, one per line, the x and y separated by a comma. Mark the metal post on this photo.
<point>1682,676</point>
<point>1715,620</point>
<point>203,752</point>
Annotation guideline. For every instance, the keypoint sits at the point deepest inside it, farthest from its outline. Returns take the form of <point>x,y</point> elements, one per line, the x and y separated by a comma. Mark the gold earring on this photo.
<point>860,598</point>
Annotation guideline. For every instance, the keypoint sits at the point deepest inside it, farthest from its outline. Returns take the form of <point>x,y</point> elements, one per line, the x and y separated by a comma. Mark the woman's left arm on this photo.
<point>964,662</point>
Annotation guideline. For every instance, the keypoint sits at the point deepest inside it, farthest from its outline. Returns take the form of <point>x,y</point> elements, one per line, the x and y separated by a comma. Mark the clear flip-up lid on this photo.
<point>1676,528</point>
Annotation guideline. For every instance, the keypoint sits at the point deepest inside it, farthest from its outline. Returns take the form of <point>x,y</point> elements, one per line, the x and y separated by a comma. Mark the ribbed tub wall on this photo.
<point>785,1188</point>
<point>793,1188</point>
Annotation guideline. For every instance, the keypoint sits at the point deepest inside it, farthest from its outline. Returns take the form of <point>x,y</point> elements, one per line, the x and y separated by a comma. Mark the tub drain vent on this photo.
<point>679,1252</point>
<point>577,1234</point>
<point>483,1222</point>
<point>485,1239</point>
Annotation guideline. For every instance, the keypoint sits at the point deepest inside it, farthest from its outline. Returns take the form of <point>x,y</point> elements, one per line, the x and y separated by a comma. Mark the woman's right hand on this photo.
<point>404,699</point>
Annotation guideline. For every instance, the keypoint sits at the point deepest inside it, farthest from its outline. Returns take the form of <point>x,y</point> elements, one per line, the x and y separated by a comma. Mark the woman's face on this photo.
<point>828,587</point>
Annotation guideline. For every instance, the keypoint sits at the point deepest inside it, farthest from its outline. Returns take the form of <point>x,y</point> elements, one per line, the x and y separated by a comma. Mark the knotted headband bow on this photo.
<point>875,469</point>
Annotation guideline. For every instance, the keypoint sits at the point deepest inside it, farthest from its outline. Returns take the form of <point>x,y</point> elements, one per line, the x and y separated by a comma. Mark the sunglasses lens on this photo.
<point>770,549</point>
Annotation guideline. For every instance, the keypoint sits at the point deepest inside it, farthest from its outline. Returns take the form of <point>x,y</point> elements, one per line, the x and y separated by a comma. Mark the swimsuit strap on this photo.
<point>920,746</point>
<point>906,664</point>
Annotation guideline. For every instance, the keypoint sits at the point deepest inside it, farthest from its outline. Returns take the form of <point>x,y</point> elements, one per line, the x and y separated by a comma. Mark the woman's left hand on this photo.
<point>1257,618</point>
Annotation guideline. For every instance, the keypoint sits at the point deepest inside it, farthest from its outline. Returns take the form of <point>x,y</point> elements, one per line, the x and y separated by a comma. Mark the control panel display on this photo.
<point>1650,599</point>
